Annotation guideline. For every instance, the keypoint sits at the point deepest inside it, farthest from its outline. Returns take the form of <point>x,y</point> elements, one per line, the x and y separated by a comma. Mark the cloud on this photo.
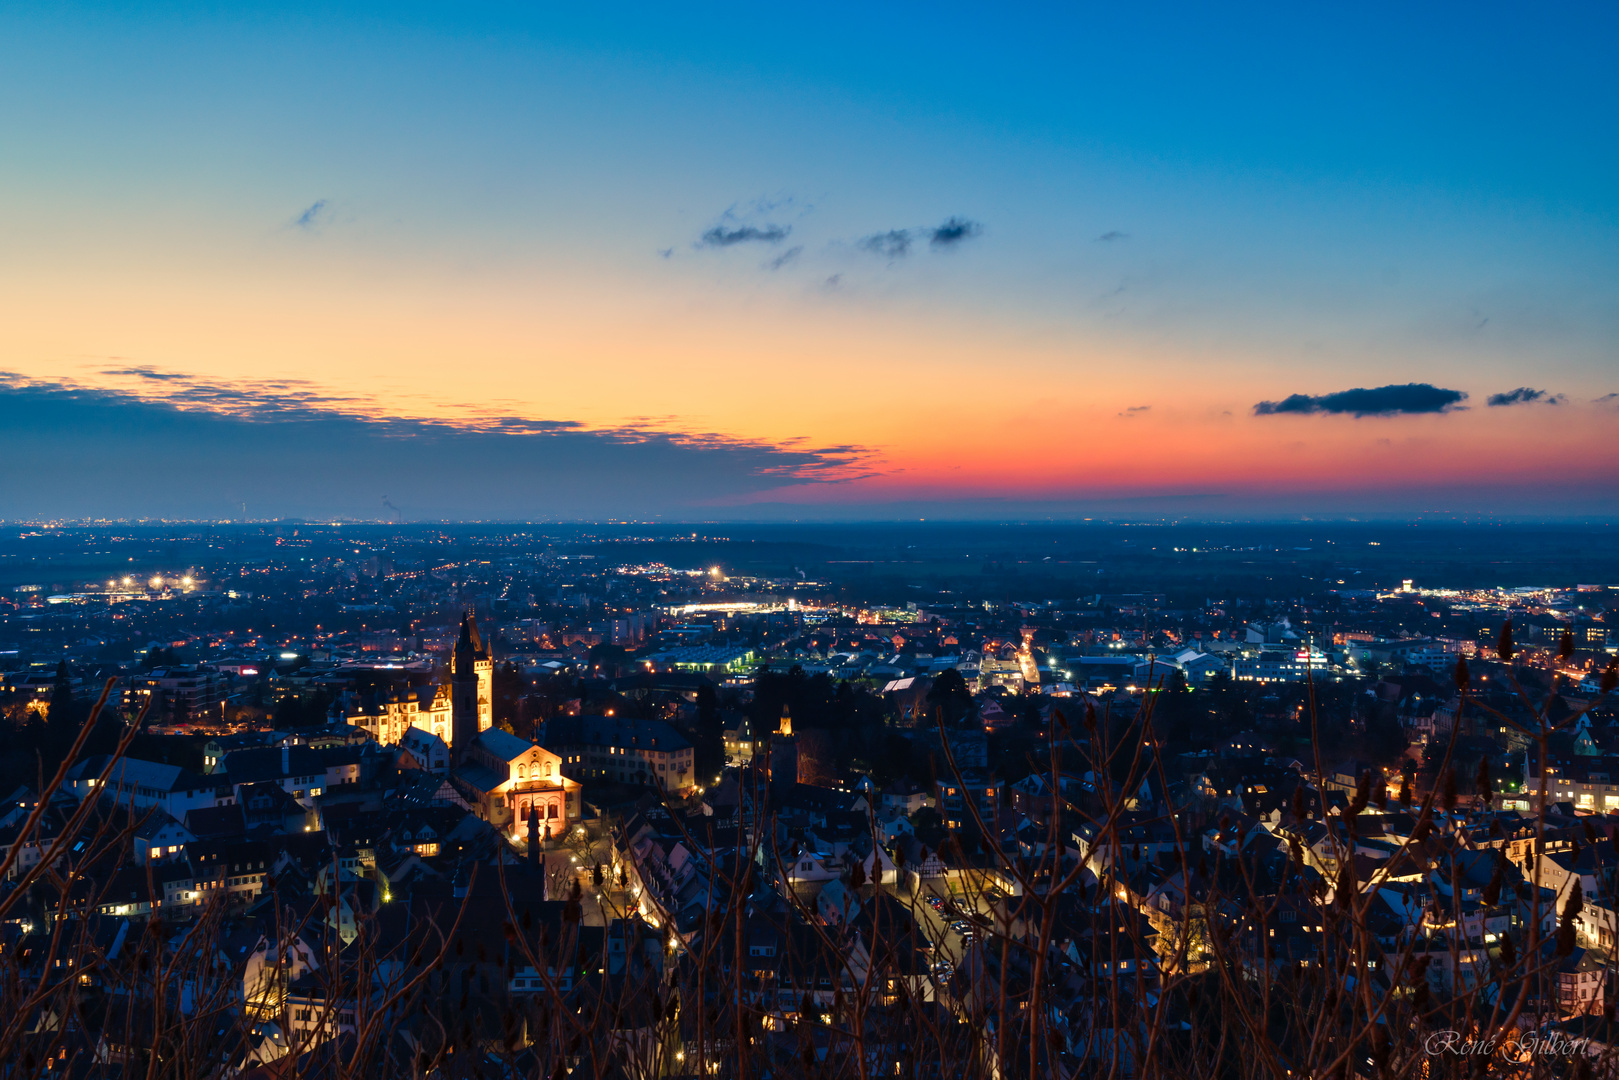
<point>1377,401</point>
<point>730,235</point>
<point>1523,395</point>
<point>893,244</point>
<point>785,257</point>
<point>953,232</point>
<point>146,373</point>
<point>1111,236</point>
<point>313,217</point>
<point>1605,399</point>
<point>896,243</point>
<point>1135,410</point>
<point>91,451</point>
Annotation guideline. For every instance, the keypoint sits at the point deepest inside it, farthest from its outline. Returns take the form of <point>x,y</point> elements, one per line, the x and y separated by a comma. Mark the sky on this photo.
<point>674,262</point>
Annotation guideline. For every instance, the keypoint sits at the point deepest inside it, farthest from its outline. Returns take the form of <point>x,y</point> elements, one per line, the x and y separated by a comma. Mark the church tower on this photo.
<point>472,677</point>
<point>783,761</point>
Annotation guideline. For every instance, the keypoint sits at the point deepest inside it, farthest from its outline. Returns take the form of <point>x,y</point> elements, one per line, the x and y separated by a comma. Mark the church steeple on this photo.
<point>469,646</point>
<point>471,686</point>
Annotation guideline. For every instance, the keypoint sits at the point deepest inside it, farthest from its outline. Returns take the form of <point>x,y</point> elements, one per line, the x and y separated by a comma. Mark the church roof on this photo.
<point>503,744</point>
<point>477,777</point>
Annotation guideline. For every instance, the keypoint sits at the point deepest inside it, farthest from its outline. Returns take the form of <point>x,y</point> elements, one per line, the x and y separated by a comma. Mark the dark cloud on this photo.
<point>151,374</point>
<point>1377,401</point>
<point>785,257</point>
<point>313,216</point>
<point>1111,236</point>
<point>1523,395</point>
<point>893,244</point>
<point>77,451</point>
<point>731,235</point>
<point>1605,399</point>
<point>896,243</point>
<point>1135,410</point>
<point>953,232</point>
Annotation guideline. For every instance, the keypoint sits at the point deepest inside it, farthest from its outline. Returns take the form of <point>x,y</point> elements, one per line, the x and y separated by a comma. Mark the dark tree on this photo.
<point>510,684</point>
<point>708,746</point>
<point>948,697</point>
<point>63,719</point>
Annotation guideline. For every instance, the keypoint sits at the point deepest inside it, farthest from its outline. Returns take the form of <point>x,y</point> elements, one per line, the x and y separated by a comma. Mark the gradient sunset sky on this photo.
<point>661,261</point>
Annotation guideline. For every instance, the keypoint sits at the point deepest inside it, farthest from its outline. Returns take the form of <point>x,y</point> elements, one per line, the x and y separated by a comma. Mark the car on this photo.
<point>935,903</point>
<point>944,969</point>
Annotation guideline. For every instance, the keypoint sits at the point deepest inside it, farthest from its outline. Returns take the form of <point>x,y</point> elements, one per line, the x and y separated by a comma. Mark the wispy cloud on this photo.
<point>1135,410</point>
<point>149,373</point>
<point>314,216</point>
<point>723,235</point>
<point>1524,395</point>
<point>785,257</point>
<point>1394,400</point>
<point>1112,236</point>
<point>893,244</point>
<point>897,243</point>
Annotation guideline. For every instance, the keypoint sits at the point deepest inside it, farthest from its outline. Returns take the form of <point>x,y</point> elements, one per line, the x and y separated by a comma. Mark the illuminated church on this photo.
<point>507,779</point>
<point>504,778</point>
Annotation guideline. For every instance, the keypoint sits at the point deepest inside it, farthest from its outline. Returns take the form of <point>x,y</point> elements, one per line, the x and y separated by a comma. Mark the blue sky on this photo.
<point>461,211</point>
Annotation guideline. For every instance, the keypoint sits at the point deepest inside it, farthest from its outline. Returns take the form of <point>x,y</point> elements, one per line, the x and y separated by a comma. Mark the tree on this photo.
<point>608,657</point>
<point>928,824</point>
<point>62,720</point>
<point>948,697</point>
<point>708,743</point>
<point>509,687</point>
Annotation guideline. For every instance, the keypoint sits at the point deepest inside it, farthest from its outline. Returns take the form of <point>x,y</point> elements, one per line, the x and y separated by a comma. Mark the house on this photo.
<point>159,836</point>
<point>269,805</point>
<point>906,796</point>
<point>952,796</point>
<point>811,866</point>
<point>427,750</point>
<point>142,785</point>
<point>621,749</point>
<point>390,715</point>
<point>298,770</point>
